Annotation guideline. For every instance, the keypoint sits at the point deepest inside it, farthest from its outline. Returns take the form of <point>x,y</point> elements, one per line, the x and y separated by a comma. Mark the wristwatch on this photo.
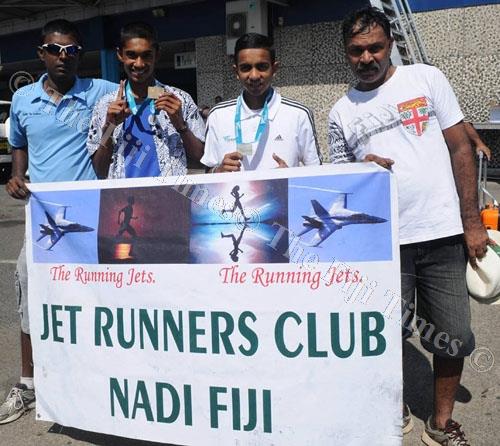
<point>183,129</point>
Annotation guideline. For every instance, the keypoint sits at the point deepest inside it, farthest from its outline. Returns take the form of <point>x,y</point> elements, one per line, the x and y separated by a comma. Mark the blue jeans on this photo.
<point>433,283</point>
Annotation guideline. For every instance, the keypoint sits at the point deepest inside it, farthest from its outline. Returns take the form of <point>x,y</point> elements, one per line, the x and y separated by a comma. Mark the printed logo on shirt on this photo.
<point>278,138</point>
<point>228,138</point>
<point>34,113</point>
<point>414,115</point>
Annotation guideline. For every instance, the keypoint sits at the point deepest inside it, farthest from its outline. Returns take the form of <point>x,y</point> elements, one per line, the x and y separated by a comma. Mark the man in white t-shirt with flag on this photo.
<point>407,119</point>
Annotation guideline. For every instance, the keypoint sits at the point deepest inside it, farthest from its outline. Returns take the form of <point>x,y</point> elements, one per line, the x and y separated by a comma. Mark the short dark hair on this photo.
<point>254,40</point>
<point>141,30</point>
<point>362,20</point>
<point>60,26</point>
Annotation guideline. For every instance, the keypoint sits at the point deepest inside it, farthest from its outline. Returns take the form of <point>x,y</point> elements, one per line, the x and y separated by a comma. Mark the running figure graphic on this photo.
<point>237,203</point>
<point>236,243</point>
<point>128,215</point>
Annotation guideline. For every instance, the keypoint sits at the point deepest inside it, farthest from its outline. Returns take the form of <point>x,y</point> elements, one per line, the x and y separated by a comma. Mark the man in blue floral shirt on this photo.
<point>144,128</point>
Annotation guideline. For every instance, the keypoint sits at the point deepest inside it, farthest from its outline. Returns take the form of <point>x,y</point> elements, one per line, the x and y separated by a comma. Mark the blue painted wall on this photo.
<point>429,5</point>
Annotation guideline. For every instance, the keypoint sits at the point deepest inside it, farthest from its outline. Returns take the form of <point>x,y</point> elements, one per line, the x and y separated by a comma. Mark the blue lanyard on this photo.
<point>263,119</point>
<point>133,105</point>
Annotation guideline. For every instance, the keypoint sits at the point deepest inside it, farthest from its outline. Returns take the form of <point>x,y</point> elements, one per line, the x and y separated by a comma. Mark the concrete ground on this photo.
<point>478,405</point>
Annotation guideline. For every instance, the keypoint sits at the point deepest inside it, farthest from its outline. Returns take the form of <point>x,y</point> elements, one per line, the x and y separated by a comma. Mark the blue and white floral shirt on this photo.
<point>170,150</point>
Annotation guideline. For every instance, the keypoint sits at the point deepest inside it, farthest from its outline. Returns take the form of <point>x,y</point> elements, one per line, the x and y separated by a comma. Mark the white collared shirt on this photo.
<point>290,134</point>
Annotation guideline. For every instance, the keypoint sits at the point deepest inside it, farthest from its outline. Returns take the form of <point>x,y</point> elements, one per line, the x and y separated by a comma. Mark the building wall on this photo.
<point>462,42</point>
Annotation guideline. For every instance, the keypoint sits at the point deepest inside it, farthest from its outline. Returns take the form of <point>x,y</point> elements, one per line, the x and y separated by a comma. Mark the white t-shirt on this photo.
<point>403,120</point>
<point>290,134</point>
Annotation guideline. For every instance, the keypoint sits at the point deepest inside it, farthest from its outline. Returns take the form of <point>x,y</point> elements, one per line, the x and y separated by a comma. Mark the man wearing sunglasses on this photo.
<point>55,49</point>
<point>49,127</point>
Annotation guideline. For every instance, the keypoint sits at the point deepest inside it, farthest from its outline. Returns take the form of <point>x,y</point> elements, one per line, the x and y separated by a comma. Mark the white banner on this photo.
<point>254,309</point>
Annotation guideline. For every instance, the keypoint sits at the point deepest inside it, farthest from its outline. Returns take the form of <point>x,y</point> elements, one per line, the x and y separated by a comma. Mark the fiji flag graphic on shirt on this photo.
<point>414,115</point>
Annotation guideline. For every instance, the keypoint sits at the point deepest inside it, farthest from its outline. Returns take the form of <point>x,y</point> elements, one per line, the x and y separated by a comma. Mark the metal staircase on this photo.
<point>408,46</point>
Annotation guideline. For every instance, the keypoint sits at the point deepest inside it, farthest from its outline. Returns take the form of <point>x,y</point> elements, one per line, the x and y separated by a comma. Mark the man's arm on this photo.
<point>16,186</point>
<point>339,149</point>
<point>476,140</point>
<point>464,172</point>
<point>172,105</point>
<point>101,159</point>
<point>193,146</point>
<point>100,142</point>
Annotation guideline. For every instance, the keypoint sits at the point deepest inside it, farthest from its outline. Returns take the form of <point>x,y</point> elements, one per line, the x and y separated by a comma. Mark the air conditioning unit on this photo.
<point>244,16</point>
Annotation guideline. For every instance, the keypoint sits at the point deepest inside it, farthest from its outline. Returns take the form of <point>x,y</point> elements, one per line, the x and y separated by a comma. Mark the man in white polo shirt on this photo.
<point>260,129</point>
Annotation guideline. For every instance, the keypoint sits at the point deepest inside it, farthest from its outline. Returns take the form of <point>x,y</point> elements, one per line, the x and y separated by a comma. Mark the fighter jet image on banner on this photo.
<point>57,226</point>
<point>326,223</point>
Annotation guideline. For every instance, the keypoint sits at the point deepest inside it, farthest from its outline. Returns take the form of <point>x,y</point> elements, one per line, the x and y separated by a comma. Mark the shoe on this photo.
<point>407,419</point>
<point>20,400</point>
<point>452,435</point>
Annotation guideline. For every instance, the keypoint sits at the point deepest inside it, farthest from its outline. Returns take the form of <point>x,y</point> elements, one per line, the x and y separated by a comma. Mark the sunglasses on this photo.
<point>55,49</point>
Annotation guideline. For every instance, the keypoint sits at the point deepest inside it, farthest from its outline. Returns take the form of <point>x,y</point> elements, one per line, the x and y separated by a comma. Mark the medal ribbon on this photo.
<point>133,105</point>
<point>262,123</point>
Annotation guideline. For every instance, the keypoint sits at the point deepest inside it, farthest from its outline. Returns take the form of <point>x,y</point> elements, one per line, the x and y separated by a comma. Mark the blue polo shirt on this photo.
<point>56,134</point>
